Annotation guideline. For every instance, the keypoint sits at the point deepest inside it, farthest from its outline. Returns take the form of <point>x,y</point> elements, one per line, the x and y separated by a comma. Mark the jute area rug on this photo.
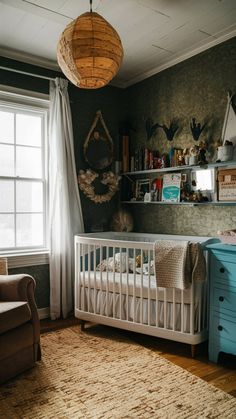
<point>87,375</point>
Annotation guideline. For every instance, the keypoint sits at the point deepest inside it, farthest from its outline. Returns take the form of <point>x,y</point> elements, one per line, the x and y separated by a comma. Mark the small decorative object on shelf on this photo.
<point>196,129</point>
<point>225,152</point>
<point>193,158</point>
<point>202,153</point>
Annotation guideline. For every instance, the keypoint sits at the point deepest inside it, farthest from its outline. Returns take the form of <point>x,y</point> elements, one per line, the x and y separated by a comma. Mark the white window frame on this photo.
<point>18,99</point>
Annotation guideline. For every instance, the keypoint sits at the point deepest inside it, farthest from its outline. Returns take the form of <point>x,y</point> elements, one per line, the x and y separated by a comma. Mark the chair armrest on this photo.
<point>16,287</point>
<point>21,288</point>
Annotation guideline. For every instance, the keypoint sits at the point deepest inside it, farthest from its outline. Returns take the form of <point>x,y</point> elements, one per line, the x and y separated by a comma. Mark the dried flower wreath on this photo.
<point>86,178</point>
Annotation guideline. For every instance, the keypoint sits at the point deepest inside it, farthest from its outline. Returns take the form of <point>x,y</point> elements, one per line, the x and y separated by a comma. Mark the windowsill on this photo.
<point>26,258</point>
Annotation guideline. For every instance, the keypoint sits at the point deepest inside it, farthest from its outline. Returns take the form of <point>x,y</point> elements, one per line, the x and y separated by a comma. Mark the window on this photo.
<point>23,181</point>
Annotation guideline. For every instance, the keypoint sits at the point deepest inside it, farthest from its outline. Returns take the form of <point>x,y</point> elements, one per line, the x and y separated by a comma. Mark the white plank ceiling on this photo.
<point>155,34</point>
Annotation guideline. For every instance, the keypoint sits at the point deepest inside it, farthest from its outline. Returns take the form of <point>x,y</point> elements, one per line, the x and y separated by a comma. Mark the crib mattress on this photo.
<point>138,286</point>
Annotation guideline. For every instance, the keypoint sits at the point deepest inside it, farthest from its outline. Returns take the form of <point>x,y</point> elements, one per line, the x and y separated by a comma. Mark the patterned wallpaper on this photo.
<point>41,276</point>
<point>196,88</point>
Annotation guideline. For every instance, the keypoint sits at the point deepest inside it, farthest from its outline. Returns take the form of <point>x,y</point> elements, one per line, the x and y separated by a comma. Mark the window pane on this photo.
<point>28,130</point>
<point>6,160</point>
<point>29,196</point>
<point>7,231</point>
<point>7,127</point>
<point>29,230</point>
<point>7,196</point>
<point>28,162</point>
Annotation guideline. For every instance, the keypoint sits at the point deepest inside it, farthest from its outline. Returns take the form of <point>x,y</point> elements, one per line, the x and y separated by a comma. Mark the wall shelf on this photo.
<point>181,168</point>
<point>191,204</point>
<point>146,173</point>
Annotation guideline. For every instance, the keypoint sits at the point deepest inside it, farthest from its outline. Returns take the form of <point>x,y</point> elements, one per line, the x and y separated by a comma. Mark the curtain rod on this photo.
<point>27,74</point>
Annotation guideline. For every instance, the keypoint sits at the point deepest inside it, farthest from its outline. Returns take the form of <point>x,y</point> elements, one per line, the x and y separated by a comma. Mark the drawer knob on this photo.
<point>221,298</point>
<point>222,270</point>
<point>220,328</point>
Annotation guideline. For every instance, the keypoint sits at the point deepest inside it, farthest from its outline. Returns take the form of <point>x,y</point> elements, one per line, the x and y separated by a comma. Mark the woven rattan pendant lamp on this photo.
<point>89,51</point>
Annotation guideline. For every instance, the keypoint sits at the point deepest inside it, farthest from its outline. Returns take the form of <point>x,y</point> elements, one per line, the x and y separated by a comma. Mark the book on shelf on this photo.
<point>125,152</point>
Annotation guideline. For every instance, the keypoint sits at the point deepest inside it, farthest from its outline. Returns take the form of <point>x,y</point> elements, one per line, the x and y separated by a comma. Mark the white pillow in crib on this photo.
<point>120,263</point>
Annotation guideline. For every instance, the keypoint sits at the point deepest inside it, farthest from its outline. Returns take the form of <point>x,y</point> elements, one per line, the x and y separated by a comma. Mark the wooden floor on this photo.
<point>221,375</point>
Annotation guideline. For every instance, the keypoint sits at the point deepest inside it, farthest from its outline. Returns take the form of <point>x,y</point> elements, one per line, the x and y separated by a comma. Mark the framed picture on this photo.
<point>171,187</point>
<point>143,186</point>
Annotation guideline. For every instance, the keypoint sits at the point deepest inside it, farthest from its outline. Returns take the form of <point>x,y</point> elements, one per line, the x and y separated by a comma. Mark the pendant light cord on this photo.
<point>91,6</point>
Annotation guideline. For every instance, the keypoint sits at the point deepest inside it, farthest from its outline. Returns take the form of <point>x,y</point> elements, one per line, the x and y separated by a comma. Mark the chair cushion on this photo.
<point>13,314</point>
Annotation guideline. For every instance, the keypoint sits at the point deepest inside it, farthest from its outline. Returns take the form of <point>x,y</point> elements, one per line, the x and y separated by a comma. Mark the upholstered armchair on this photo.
<point>19,324</point>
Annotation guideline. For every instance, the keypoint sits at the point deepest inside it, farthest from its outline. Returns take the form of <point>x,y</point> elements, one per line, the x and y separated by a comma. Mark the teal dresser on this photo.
<point>222,316</point>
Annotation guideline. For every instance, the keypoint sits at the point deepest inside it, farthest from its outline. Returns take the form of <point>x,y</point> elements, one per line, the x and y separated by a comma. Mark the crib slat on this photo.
<point>174,308</point>
<point>120,282</point>
<point>95,279</point>
<point>89,273</point>
<point>77,275</point>
<point>127,283</point>
<point>157,306</point>
<point>113,287</point>
<point>107,278</point>
<point>100,294</point>
<point>83,281</point>
<point>141,314</point>
<point>149,287</point>
<point>182,311</point>
<point>165,309</point>
<point>134,288</point>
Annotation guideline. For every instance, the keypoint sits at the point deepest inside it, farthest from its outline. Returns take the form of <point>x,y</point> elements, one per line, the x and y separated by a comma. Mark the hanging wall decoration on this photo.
<point>196,129</point>
<point>98,146</point>
<point>171,130</point>
<point>86,179</point>
<point>98,153</point>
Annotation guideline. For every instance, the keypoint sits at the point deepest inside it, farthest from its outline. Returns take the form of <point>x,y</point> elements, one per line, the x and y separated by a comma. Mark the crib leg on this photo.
<point>82,325</point>
<point>193,350</point>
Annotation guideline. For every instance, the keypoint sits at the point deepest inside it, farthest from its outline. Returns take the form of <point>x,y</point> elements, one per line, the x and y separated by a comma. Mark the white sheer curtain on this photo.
<point>64,202</point>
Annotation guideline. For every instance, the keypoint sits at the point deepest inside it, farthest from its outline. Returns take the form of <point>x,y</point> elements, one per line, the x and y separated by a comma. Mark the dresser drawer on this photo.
<point>223,272</point>
<point>222,327</point>
<point>221,300</point>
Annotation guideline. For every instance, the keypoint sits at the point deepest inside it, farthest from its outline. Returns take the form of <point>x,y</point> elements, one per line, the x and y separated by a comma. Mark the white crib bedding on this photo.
<point>138,310</point>
<point>137,286</point>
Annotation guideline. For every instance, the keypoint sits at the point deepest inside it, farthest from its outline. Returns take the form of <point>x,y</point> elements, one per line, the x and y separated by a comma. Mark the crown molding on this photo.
<point>52,65</point>
<point>29,58</point>
<point>179,59</point>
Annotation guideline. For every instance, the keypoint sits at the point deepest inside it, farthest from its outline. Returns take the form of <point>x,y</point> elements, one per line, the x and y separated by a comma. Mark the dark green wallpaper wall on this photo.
<point>197,88</point>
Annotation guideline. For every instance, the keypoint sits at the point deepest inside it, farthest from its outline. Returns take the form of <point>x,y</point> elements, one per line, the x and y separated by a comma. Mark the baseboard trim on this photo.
<point>44,313</point>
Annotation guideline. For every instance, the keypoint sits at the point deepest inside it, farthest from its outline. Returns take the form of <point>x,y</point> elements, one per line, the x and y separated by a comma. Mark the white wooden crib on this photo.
<point>115,285</point>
